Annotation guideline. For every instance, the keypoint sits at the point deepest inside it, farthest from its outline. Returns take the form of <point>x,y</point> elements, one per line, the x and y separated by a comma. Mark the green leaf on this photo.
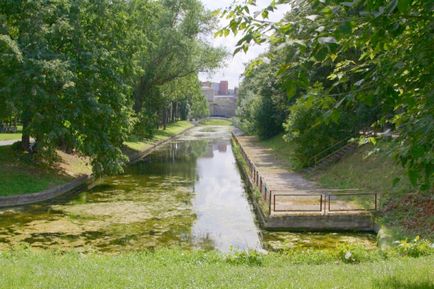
<point>291,88</point>
<point>413,176</point>
<point>404,5</point>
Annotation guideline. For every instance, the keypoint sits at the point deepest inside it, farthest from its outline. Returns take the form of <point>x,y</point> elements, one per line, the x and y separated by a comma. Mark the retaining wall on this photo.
<point>316,222</point>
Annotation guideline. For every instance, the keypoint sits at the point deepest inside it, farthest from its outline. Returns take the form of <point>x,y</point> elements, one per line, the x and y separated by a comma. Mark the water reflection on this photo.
<point>223,212</point>
<point>187,194</point>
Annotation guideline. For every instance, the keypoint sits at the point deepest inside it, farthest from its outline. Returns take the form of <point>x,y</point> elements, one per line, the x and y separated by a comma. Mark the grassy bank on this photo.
<point>172,129</point>
<point>216,121</point>
<point>19,175</point>
<point>405,212</point>
<point>185,269</point>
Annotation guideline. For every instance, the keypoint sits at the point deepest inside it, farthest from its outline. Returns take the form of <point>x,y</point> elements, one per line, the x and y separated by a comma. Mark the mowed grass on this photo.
<point>216,121</point>
<point>195,269</point>
<point>12,136</point>
<point>18,176</point>
<point>172,129</point>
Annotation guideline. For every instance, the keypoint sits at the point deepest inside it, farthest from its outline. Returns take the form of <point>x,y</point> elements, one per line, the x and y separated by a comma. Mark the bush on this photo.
<point>315,125</point>
<point>414,248</point>
<point>251,258</point>
<point>352,254</point>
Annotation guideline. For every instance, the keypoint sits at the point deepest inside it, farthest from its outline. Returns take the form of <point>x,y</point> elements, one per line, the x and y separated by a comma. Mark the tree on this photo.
<point>368,53</point>
<point>178,51</point>
<point>76,76</point>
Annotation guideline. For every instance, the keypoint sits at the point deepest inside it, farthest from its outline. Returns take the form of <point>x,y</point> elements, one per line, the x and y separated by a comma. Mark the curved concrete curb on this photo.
<point>74,185</point>
<point>139,155</point>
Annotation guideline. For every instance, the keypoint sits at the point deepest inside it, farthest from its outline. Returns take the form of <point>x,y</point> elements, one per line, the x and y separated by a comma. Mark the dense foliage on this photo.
<point>73,72</point>
<point>372,59</point>
<point>262,103</point>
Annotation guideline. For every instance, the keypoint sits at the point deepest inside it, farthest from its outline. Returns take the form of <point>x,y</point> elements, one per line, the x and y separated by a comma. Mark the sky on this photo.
<point>234,66</point>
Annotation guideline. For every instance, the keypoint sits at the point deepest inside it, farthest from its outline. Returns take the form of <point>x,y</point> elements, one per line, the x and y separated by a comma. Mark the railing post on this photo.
<point>269,203</point>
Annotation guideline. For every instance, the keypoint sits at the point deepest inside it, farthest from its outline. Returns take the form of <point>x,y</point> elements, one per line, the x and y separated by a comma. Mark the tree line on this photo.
<point>337,68</point>
<point>85,75</point>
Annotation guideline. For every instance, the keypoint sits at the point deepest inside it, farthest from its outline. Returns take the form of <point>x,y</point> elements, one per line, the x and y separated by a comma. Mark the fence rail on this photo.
<point>321,201</point>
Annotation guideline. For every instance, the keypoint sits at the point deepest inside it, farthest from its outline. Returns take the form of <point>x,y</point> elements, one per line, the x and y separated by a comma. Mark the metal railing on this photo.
<point>322,201</point>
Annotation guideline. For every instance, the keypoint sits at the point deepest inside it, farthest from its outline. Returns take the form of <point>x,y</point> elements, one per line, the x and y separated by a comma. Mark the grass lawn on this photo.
<point>195,269</point>
<point>12,136</point>
<point>216,121</point>
<point>374,173</point>
<point>19,176</point>
<point>171,130</point>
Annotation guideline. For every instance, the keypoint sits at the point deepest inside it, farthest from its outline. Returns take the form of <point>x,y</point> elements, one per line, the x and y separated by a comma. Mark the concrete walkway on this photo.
<point>291,202</point>
<point>289,193</point>
<point>273,170</point>
<point>7,142</point>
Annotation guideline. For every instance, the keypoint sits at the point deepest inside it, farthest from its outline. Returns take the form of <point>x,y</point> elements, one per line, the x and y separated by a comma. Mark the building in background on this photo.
<point>224,87</point>
<point>222,101</point>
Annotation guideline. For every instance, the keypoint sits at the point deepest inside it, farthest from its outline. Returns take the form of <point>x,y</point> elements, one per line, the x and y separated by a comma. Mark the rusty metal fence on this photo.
<point>318,201</point>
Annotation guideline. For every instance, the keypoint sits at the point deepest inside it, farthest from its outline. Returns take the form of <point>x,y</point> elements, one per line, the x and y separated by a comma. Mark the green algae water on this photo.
<point>188,194</point>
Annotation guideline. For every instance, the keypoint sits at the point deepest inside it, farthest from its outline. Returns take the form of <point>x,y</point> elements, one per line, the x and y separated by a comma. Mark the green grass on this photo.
<point>281,149</point>
<point>405,213</point>
<point>12,136</point>
<point>216,121</point>
<point>18,176</point>
<point>172,129</point>
<point>375,172</point>
<point>196,269</point>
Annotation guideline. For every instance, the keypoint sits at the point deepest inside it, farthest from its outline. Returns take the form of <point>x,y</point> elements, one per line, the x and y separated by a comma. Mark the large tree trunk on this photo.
<point>164,118</point>
<point>25,137</point>
<point>139,95</point>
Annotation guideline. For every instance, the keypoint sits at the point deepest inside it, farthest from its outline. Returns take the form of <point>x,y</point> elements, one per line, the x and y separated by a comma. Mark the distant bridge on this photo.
<point>222,106</point>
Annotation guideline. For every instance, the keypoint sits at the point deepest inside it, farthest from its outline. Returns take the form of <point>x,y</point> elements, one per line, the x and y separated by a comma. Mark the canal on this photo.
<point>189,193</point>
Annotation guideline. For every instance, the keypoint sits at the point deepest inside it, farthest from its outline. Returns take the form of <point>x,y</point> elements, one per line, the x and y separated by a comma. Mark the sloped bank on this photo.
<point>317,222</point>
<point>78,184</point>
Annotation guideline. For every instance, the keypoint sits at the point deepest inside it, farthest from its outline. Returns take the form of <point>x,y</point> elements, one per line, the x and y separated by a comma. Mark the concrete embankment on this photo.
<point>285,200</point>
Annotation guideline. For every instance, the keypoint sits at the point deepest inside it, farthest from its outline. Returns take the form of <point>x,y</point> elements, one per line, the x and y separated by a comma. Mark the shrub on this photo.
<point>414,248</point>
<point>251,258</point>
<point>315,125</point>
<point>353,254</point>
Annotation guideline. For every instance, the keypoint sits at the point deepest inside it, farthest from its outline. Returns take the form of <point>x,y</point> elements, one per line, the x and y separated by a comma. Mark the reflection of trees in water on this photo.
<point>178,158</point>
